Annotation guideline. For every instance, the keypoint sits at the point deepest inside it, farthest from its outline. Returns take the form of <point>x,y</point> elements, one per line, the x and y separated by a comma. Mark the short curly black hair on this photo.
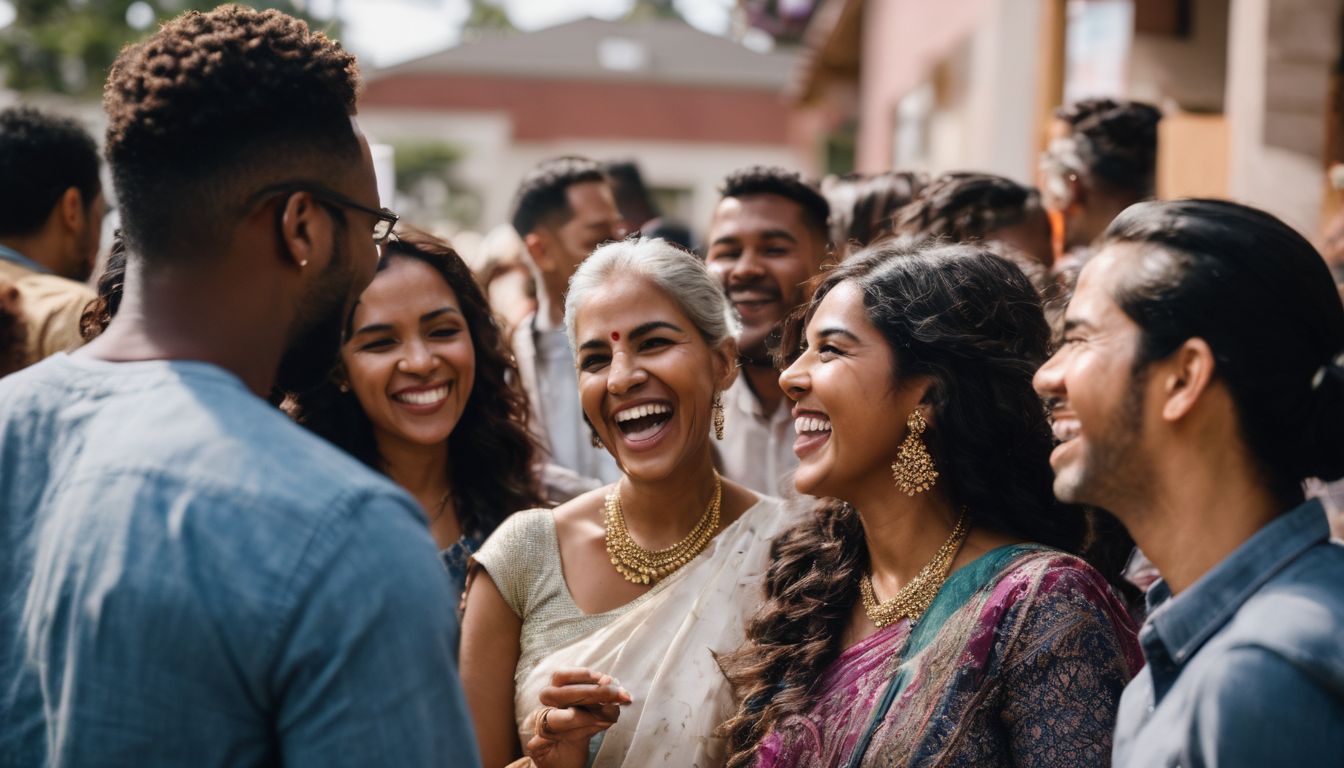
<point>541,200</point>
<point>216,99</point>
<point>41,156</point>
<point>770,180</point>
<point>1117,140</point>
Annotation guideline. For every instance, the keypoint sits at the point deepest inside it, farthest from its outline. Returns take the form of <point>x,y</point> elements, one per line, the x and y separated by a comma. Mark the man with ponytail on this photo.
<point>1200,383</point>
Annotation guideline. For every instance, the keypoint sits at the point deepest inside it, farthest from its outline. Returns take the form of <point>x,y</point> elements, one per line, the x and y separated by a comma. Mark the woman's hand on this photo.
<point>577,705</point>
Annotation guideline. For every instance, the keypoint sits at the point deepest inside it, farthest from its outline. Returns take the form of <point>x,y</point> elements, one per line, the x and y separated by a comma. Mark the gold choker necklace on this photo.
<point>641,566</point>
<point>913,599</point>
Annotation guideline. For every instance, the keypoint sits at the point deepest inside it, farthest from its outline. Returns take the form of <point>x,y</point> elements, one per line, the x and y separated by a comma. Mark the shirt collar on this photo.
<point>9,254</point>
<point>1185,623</point>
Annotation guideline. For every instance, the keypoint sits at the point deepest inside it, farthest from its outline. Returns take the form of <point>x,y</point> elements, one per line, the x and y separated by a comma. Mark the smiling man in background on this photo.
<point>768,238</point>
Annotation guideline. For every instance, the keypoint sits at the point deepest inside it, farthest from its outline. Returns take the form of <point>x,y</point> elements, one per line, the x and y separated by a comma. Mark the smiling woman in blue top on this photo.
<point>1201,380</point>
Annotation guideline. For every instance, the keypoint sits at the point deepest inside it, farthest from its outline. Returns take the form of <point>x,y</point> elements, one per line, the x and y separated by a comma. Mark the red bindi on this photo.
<point>615,336</point>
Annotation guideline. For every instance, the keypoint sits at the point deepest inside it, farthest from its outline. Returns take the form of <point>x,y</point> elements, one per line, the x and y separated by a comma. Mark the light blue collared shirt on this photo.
<point>1246,666</point>
<point>187,578</point>
<point>9,254</point>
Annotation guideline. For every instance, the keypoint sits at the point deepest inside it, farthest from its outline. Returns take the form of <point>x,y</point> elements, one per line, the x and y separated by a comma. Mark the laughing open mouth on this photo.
<point>643,421</point>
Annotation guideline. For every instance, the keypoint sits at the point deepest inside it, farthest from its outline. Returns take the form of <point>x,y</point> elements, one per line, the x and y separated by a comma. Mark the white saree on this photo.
<point>663,651</point>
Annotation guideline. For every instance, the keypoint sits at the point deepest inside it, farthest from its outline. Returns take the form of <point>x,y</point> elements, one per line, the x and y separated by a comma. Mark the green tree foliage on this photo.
<point>67,46</point>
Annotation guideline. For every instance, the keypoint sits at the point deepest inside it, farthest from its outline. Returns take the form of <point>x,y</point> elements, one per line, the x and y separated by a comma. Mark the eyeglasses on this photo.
<point>385,220</point>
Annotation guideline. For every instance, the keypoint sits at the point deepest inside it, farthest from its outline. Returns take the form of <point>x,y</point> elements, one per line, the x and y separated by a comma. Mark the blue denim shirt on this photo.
<point>1246,666</point>
<point>187,578</point>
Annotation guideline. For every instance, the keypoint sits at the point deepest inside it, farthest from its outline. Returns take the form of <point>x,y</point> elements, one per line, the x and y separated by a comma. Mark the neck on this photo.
<point>550,306</point>
<point>423,470</point>
<point>659,513</point>
<point>38,247</point>
<point>1198,513</point>
<point>903,533</point>
<point>228,323</point>
<point>763,381</point>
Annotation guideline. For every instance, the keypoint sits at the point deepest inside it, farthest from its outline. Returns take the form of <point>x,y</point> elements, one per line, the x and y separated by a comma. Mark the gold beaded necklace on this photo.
<point>642,566</point>
<point>913,599</point>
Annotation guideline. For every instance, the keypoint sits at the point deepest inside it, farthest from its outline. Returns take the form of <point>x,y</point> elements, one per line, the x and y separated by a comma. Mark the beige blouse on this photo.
<point>522,557</point>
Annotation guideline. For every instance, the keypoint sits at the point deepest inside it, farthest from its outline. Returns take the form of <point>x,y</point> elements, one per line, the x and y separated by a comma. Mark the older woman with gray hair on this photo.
<point>591,630</point>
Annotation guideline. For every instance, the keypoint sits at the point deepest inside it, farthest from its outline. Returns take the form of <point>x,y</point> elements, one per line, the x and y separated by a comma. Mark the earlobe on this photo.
<point>72,209</point>
<point>299,233</point>
<point>1188,378</point>
<point>537,248</point>
<point>726,358</point>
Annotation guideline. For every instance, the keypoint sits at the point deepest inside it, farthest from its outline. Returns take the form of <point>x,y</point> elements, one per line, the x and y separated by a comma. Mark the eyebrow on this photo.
<point>828,332</point>
<point>1073,324</point>
<point>425,318</point>
<point>641,330</point>
<point>769,234</point>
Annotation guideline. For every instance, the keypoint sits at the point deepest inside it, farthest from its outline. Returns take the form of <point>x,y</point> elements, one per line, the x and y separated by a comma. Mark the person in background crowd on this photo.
<point>641,214</point>
<point>13,330</point>
<point>767,240</point>
<point>568,601</point>
<point>422,392</point>
<point>1101,159</point>
<point>506,279</point>
<point>862,205</point>
<point>190,578</point>
<point>51,215</point>
<point>1200,382</point>
<point>563,210</point>
<point>977,207</point>
<point>929,612</point>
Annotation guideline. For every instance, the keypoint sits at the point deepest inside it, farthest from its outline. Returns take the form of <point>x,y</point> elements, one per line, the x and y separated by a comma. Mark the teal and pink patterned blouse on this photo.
<point>1019,661</point>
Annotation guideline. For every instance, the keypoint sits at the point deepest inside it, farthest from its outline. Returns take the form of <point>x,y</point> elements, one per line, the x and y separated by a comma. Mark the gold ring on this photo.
<point>545,730</point>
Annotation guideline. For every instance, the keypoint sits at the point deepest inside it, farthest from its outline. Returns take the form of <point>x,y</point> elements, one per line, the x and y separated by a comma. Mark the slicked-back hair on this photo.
<point>41,156</point>
<point>213,107</point>
<point>770,180</point>
<point>541,200</point>
<point>1117,141</point>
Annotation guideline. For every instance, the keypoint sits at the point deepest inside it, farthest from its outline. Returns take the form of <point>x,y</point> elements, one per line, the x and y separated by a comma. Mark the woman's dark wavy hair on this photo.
<point>1263,299</point>
<point>973,324</point>
<point>492,453</point>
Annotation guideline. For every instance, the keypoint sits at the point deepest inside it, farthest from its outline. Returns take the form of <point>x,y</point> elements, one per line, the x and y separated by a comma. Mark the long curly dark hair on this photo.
<point>973,324</point>
<point>491,452</point>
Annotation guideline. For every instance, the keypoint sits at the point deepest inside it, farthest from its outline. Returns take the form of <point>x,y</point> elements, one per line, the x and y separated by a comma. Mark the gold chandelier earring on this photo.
<point>913,468</point>
<point>718,415</point>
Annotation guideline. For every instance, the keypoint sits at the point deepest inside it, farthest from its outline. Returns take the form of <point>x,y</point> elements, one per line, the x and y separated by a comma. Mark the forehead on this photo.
<point>842,307</point>
<point>753,215</point>
<point>622,303</point>
<point>590,199</point>
<point>406,289</point>
<point>1093,299</point>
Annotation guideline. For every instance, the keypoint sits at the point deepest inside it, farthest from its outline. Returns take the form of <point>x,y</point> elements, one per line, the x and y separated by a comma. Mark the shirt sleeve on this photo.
<point>367,673</point>
<point>520,555</point>
<point>1063,681</point>
<point>1263,710</point>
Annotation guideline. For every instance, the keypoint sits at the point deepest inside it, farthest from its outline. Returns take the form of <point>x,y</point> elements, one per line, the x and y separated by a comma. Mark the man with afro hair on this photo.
<point>188,578</point>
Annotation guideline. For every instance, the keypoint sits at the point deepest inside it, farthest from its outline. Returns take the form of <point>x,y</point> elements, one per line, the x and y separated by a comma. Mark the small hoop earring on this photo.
<point>913,470</point>
<point>718,415</point>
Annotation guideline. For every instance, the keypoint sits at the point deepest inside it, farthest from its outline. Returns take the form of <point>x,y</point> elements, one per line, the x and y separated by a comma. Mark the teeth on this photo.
<point>1066,429</point>
<point>811,424</point>
<point>426,397</point>
<point>640,411</point>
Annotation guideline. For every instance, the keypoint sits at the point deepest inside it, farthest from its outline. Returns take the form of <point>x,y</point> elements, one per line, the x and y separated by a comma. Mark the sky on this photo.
<point>384,32</point>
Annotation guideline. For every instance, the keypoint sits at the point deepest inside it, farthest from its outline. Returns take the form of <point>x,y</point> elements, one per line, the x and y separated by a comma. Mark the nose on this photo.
<point>795,380</point>
<point>1049,378</point>
<point>417,360</point>
<point>624,374</point>
<point>747,266</point>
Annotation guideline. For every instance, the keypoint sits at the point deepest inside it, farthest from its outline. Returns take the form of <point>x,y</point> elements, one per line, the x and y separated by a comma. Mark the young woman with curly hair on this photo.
<point>929,612</point>
<point>421,393</point>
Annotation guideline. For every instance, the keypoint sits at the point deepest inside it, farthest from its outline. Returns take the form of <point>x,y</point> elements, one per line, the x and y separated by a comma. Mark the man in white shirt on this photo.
<point>767,240</point>
<point>563,210</point>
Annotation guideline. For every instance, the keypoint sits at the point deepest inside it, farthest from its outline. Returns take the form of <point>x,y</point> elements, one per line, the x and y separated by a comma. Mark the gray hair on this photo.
<point>681,275</point>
